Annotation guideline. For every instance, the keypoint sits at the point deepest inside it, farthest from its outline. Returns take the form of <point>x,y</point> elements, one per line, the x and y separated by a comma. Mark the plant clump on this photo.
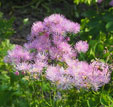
<point>49,53</point>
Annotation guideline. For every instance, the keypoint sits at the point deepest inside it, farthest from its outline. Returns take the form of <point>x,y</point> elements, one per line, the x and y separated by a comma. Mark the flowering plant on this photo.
<point>48,47</point>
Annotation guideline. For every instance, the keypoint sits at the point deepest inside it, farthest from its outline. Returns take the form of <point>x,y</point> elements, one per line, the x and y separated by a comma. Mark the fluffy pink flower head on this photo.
<point>37,68</point>
<point>80,73</point>
<point>37,28</point>
<point>19,54</point>
<point>57,29</point>
<point>58,24</point>
<point>100,74</point>
<point>54,18</point>
<point>52,73</point>
<point>59,76</point>
<point>81,46</point>
<point>65,47</point>
<point>23,66</point>
<point>72,27</point>
<point>40,44</point>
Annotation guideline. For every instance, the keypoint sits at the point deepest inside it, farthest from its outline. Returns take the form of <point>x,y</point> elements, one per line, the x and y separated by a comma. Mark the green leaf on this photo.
<point>106,99</point>
<point>90,13</point>
<point>26,21</point>
<point>45,86</point>
<point>93,101</point>
<point>100,47</point>
<point>93,44</point>
<point>109,26</point>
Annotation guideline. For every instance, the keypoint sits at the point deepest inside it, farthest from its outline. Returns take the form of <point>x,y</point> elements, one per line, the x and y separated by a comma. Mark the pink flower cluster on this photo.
<point>48,48</point>
<point>80,75</point>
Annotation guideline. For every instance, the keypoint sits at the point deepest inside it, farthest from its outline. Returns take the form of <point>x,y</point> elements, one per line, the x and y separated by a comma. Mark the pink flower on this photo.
<point>23,66</point>
<point>81,46</point>
<point>23,73</point>
<point>16,73</point>
<point>54,18</point>
<point>100,74</point>
<point>37,28</point>
<point>53,73</point>
<point>18,54</point>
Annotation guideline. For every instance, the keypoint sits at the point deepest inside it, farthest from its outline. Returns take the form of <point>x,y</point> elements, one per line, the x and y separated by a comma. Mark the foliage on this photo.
<point>90,2</point>
<point>97,29</point>
<point>6,29</point>
<point>85,1</point>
